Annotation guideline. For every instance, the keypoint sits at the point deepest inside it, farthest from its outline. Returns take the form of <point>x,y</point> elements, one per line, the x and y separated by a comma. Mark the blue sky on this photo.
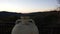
<point>26,6</point>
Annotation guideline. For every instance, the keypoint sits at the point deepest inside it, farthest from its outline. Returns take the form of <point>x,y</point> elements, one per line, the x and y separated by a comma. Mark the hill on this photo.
<point>45,21</point>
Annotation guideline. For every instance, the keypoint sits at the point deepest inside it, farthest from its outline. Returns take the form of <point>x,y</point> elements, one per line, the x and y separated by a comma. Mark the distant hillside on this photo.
<point>10,16</point>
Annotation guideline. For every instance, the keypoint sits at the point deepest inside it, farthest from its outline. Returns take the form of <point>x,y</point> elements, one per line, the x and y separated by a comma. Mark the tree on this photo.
<point>58,1</point>
<point>58,5</point>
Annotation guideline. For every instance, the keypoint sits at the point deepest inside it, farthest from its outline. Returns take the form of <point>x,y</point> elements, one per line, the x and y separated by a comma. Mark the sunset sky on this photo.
<point>26,6</point>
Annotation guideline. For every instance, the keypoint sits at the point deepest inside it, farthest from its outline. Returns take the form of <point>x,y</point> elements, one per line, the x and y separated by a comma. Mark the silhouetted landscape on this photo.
<point>47,22</point>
